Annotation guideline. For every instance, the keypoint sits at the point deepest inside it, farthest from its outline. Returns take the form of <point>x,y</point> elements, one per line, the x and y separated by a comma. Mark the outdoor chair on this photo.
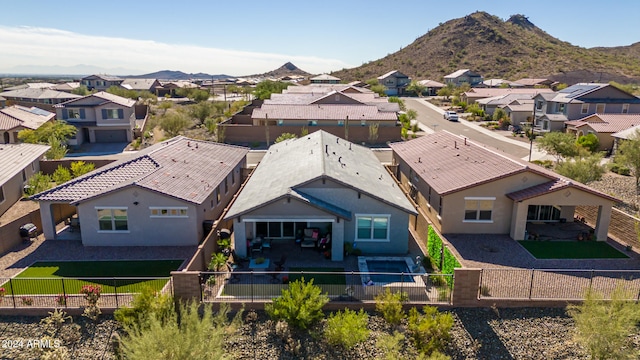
<point>280,263</point>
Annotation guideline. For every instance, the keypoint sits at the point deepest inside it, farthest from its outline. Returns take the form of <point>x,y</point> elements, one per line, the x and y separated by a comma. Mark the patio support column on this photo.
<point>48,223</point>
<point>602,224</point>
<point>240,238</point>
<point>519,220</point>
<point>567,212</point>
<point>337,241</point>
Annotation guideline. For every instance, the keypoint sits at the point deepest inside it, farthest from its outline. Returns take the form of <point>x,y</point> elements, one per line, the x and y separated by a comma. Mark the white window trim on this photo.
<point>479,198</point>
<point>625,108</point>
<point>186,209</point>
<point>584,109</point>
<point>113,219</point>
<point>387,239</point>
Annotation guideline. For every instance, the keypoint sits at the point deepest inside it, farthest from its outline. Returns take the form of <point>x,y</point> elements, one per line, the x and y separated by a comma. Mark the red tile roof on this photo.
<point>322,112</point>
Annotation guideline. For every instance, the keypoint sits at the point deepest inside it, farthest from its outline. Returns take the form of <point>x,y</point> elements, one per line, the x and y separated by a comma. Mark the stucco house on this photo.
<point>431,87</point>
<point>100,118</point>
<point>462,76</point>
<point>100,82</point>
<point>394,82</point>
<point>18,163</point>
<point>603,126</point>
<point>15,118</point>
<point>322,182</point>
<point>141,84</point>
<point>42,98</point>
<point>580,100</point>
<point>468,188</point>
<point>325,79</point>
<point>159,197</point>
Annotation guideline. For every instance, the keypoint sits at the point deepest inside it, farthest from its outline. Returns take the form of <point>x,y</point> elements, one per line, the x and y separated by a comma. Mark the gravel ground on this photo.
<point>524,333</point>
<point>622,187</point>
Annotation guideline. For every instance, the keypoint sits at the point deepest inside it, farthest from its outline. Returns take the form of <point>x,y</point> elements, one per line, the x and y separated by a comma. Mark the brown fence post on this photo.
<point>186,285</point>
<point>466,286</point>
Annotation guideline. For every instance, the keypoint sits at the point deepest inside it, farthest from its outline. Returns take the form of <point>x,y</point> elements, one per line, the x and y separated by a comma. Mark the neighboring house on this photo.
<point>38,85</point>
<point>463,187</point>
<point>578,101</point>
<point>431,87</point>
<point>532,83</point>
<point>160,197</point>
<point>349,112</point>
<point>322,181</point>
<point>100,118</point>
<point>603,126</point>
<point>519,111</point>
<point>325,79</point>
<point>149,85</point>
<point>620,136</point>
<point>18,163</point>
<point>3,102</point>
<point>501,83</point>
<point>489,105</point>
<point>67,87</point>
<point>169,88</point>
<point>42,98</point>
<point>394,82</point>
<point>462,76</point>
<point>476,94</point>
<point>16,118</point>
<point>100,82</point>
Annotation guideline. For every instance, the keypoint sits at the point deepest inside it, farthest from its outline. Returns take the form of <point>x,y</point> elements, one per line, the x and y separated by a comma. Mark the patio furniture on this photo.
<point>280,263</point>
<point>74,224</point>
<point>266,244</point>
<point>263,266</point>
<point>310,239</point>
<point>256,245</point>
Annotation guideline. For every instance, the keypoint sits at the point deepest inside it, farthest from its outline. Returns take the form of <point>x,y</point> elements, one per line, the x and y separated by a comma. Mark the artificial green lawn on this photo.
<point>318,279</point>
<point>79,273</point>
<point>572,250</point>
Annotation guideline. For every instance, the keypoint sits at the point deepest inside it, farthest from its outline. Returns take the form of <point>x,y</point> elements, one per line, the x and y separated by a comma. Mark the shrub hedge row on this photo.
<point>434,246</point>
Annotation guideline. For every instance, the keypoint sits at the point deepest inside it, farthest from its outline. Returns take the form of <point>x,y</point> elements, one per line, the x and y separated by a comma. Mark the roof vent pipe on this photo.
<point>465,141</point>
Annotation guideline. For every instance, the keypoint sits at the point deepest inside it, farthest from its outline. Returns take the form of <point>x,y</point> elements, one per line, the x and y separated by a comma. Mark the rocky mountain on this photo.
<point>508,49</point>
<point>178,75</point>
<point>284,70</point>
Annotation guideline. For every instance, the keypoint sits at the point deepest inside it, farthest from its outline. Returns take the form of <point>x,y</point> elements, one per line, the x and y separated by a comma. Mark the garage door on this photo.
<point>111,136</point>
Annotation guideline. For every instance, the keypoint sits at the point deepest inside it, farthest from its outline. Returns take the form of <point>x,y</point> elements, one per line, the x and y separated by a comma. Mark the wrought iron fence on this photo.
<point>553,284</point>
<point>250,286</point>
<point>66,292</point>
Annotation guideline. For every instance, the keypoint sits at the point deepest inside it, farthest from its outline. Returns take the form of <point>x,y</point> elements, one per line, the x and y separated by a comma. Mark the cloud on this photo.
<point>52,47</point>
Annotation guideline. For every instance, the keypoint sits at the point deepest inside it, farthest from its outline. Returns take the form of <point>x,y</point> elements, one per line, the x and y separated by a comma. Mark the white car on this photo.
<point>451,115</point>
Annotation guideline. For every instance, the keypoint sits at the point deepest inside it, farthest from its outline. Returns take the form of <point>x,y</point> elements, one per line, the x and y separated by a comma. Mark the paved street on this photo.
<point>431,119</point>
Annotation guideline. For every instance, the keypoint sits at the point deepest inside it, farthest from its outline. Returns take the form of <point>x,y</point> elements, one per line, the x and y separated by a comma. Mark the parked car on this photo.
<point>451,115</point>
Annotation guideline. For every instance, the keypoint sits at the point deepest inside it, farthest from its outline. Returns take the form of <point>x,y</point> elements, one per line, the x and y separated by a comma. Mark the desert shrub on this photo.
<point>347,328</point>
<point>53,323</point>
<point>547,164</point>
<point>300,305</point>
<point>603,327</point>
<point>589,142</point>
<point>178,338</point>
<point>80,168</point>
<point>442,256</point>
<point>619,169</point>
<point>390,306</point>
<point>285,136</point>
<point>61,175</point>
<point>430,331</point>
<point>390,345</point>
<point>38,182</point>
<point>147,303</point>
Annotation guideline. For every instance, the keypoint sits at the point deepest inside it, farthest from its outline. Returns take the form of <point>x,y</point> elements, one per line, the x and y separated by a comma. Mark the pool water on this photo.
<point>391,266</point>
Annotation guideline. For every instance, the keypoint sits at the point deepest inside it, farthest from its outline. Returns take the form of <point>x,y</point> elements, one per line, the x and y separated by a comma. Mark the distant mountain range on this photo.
<point>510,49</point>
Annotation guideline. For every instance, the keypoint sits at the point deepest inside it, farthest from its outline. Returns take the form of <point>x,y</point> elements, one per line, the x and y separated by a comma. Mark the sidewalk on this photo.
<point>535,154</point>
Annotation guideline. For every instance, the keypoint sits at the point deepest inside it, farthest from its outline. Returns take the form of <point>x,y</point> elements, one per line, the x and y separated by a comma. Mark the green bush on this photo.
<point>37,183</point>
<point>390,306</point>
<point>390,345</point>
<point>434,247</point>
<point>547,164</point>
<point>347,328</point>
<point>300,305</point>
<point>619,169</point>
<point>148,303</point>
<point>429,331</point>
<point>589,142</point>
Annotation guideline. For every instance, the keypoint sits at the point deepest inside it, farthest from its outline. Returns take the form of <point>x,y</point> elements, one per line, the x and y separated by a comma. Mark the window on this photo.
<point>212,203</point>
<point>218,195</point>
<point>561,108</point>
<point>625,108</point>
<point>312,123</point>
<point>340,122</point>
<point>539,105</point>
<point>112,219</point>
<point>372,227</point>
<point>171,211</point>
<point>600,108</point>
<point>1,194</point>
<point>584,109</point>
<point>112,114</point>
<point>24,175</point>
<point>226,186</point>
<point>280,122</point>
<point>233,177</point>
<point>478,209</point>
<point>73,113</point>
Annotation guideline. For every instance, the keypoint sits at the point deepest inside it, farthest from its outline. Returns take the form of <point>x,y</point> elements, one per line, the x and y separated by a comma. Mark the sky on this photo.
<point>251,37</point>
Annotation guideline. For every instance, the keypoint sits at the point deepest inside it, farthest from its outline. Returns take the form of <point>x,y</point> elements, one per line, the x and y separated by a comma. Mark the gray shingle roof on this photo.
<point>15,157</point>
<point>180,167</point>
<point>293,163</point>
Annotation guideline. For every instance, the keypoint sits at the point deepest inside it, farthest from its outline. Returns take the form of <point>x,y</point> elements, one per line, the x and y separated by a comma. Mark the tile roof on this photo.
<point>34,93</point>
<point>68,86</point>
<point>31,118</point>
<point>553,186</point>
<point>451,163</point>
<point>607,123</point>
<point>291,164</point>
<point>431,83</point>
<point>491,92</point>
<point>456,73</point>
<point>628,133</point>
<point>531,81</point>
<point>183,168</point>
<point>139,84</point>
<point>505,99</point>
<point>396,73</point>
<point>103,77</point>
<point>103,95</point>
<point>325,77</point>
<point>15,157</point>
<point>324,88</point>
<point>322,112</point>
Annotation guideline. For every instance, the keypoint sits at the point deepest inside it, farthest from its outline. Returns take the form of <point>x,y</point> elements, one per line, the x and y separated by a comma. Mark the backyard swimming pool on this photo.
<point>386,269</point>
